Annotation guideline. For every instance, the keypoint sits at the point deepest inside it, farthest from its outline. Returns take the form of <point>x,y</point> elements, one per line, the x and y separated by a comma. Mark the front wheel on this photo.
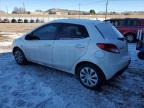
<point>90,76</point>
<point>141,55</point>
<point>19,56</point>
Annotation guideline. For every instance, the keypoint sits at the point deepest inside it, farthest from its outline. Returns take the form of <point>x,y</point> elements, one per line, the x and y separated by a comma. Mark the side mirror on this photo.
<point>31,36</point>
<point>28,36</point>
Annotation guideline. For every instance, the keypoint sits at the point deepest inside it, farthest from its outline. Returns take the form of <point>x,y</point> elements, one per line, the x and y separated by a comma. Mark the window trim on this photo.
<point>133,20</point>
<point>64,24</point>
<point>57,31</point>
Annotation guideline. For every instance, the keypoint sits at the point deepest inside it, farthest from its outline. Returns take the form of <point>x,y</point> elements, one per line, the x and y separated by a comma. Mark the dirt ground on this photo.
<point>2,38</point>
<point>18,27</point>
<point>72,16</point>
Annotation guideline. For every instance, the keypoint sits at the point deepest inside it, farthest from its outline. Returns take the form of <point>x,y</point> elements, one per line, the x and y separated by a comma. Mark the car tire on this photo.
<point>130,38</point>
<point>141,55</point>
<point>19,56</point>
<point>90,76</point>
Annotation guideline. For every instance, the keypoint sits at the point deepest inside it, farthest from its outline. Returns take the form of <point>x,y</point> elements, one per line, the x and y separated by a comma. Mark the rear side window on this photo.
<point>122,22</point>
<point>114,22</point>
<point>108,31</point>
<point>117,22</point>
<point>73,31</point>
<point>133,23</point>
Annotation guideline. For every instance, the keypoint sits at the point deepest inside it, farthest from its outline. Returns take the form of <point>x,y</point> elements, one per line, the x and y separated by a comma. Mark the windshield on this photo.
<point>108,31</point>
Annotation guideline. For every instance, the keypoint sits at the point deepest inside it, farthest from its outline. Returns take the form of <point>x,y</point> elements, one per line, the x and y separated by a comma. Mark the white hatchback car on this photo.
<point>93,50</point>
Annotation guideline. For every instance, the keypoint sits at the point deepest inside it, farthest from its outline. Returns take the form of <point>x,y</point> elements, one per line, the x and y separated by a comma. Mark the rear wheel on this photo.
<point>141,55</point>
<point>90,76</point>
<point>19,56</point>
<point>130,38</point>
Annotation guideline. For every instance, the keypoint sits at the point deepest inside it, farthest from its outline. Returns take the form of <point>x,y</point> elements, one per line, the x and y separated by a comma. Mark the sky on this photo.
<point>85,5</point>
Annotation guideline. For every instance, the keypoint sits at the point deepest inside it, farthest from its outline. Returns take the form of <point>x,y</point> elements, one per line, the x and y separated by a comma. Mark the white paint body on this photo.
<point>66,54</point>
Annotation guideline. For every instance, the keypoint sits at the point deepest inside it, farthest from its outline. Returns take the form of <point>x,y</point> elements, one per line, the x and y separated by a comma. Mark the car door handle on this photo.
<point>80,46</point>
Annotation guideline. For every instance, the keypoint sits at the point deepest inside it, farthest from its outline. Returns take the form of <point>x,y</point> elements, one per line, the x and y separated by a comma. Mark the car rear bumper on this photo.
<point>122,70</point>
<point>114,68</point>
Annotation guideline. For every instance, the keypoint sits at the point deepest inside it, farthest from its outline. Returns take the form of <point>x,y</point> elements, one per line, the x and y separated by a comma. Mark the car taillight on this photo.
<point>108,47</point>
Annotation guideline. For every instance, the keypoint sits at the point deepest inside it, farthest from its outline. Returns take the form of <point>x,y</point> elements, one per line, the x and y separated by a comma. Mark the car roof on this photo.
<point>78,21</point>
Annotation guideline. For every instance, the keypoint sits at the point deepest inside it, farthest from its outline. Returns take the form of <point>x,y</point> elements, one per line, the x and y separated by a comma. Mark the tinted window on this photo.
<point>72,31</point>
<point>108,31</point>
<point>47,32</point>
<point>142,22</point>
<point>117,23</point>
<point>114,22</point>
<point>133,23</point>
<point>121,22</point>
<point>108,21</point>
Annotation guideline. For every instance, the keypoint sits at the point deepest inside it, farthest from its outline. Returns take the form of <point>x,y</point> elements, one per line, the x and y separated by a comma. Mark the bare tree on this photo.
<point>20,10</point>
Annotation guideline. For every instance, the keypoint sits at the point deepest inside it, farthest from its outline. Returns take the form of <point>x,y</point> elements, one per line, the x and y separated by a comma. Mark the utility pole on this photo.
<point>79,6</point>
<point>6,9</point>
<point>107,2</point>
<point>24,6</point>
<point>43,15</point>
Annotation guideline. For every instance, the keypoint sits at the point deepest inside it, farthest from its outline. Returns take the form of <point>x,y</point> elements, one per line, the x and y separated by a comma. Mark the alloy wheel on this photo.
<point>18,56</point>
<point>88,76</point>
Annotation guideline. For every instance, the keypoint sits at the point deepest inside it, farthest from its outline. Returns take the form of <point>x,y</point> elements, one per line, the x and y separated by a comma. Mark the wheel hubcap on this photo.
<point>18,56</point>
<point>88,76</point>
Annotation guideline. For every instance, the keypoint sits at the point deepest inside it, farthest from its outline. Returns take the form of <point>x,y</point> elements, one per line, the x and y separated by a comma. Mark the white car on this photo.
<point>93,50</point>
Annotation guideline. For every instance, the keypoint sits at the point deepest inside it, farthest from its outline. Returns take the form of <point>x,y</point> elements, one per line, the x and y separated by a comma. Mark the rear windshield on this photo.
<point>108,31</point>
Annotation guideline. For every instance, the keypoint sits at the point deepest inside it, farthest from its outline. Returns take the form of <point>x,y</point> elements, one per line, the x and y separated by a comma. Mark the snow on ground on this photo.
<point>6,39</point>
<point>10,34</point>
<point>36,86</point>
<point>5,44</point>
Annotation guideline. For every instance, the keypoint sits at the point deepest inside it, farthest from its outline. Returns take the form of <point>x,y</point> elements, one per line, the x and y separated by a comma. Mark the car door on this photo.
<point>39,43</point>
<point>71,45</point>
<point>133,25</point>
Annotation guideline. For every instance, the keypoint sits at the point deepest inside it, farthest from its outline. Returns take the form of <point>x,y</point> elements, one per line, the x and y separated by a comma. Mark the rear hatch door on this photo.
<point>113,36</point>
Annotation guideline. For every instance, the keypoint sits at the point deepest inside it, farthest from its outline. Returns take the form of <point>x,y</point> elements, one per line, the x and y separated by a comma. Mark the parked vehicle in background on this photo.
<point>26,21</point>
<point>128,27</point>
<point>6,21</point>
<point>32,21</point>
<point>38,21</point>
<point>13,21</point>
<point>20,21</point>
<point>93,50</point>
<point>140,44</point>
<point>42,21</point>
<point>0,20</point>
